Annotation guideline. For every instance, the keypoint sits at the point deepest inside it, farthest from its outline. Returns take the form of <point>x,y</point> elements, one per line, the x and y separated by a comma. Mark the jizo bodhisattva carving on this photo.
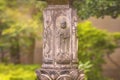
<point>60,60</point>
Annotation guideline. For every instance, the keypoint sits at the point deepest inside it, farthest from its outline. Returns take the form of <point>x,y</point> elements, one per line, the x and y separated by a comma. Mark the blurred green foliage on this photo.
<point>20,19</point>
<point>97,8</point>
<point>17,72</point>
<point>20,26</point>
<point>94,44</point>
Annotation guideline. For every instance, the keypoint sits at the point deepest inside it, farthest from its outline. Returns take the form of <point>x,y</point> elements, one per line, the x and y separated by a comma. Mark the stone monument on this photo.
<point>60,45</point>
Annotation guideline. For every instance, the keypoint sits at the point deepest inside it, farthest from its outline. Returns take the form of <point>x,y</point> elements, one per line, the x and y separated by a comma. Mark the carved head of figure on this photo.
<point>63,24</point>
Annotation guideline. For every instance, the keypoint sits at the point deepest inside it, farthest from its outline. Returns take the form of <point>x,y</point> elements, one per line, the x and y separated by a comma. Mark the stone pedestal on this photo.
<point>60,60</point>
<point>60,74</point>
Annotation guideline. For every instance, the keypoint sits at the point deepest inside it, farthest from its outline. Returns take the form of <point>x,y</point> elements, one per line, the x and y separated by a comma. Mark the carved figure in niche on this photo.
<point>47,42</point>
<point>63,39</point>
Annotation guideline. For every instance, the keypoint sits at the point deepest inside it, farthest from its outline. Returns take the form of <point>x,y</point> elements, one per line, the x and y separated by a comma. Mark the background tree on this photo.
<point>97,8</point>
<point>20,23</point>
<point>93,45</point>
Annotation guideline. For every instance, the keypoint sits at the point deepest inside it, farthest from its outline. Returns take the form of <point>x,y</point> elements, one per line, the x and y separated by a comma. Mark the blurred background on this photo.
<point>21,26</point>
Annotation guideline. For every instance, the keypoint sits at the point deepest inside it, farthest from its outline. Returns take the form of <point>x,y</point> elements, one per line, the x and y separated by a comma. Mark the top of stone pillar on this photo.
<point>58,2</point>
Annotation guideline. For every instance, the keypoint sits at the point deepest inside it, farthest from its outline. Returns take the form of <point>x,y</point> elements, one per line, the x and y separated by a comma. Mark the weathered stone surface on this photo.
<point>60,74</point>
<point>59,40</point>
<point>60,60</point>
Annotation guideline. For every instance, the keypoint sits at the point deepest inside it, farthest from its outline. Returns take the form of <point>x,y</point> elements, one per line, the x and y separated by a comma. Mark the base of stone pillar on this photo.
<point>60,74</point>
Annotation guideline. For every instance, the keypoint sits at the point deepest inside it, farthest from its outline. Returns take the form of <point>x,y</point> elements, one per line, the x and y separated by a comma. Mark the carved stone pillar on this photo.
<point>60,60</point>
